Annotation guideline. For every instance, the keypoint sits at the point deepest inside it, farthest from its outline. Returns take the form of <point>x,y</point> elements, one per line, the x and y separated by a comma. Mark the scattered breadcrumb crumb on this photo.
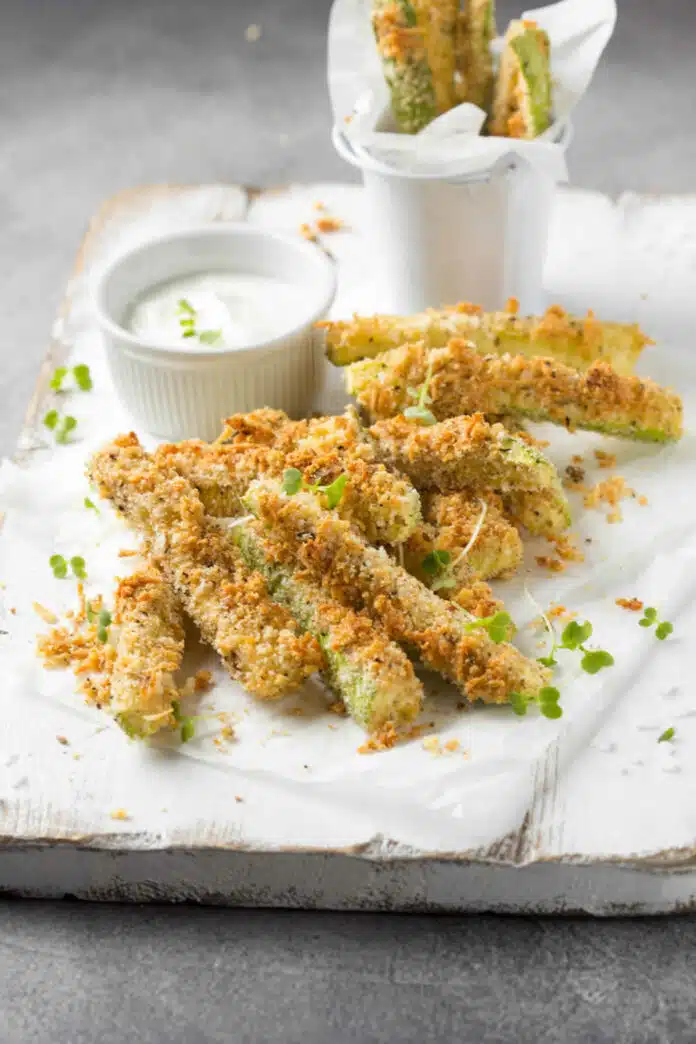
<point>566,548</point>
<point>252,33</point>
<point>512,306</point>
<point>63,740</point>
<point>127,552</point>
<point>385,739</point>
<point>13,611</point>
<point>642,500</point>
<point>525,436</point>
<point>329,224</point>
<point>554,565</point>
<point>577,458</point>
<point>46,615</point>
<point>120,813</point>
<point>318,205</point>
<point>452,745</point>
<point>574,478</point>
<point>634,605</point>
<point>605,460</point>
<point>432,744</point>
<point>611,492</point>
<point>308,232</point>
<point>238,799</point>
<point>227,732</point>
<point>76,757</point>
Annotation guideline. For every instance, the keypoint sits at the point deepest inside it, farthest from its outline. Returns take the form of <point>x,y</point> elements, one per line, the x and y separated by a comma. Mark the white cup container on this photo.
<point>177,393</point>
<point>436,239</point>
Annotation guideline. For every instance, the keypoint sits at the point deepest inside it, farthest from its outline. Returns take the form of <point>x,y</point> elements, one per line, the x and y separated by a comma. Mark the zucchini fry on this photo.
<point>477,32</point>
<point>401,43</point>
<point>382,505</point>
<point>365,578</point>
<point>259,642</point>
<point>536,389</point>
<point>439,21</point>
<point>522,107</point>
<point>149,651</point>
<point>465,452</point>
<point>451,521</point>
<point>371,674</point>
<point>577,342</point>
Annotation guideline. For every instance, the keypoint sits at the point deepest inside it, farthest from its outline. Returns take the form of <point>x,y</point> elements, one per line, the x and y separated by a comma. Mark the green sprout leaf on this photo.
<point>210,336</point>
<point>188,729</point>
<point>63,430</point>
<point>435,561</point>
<point>334,492</point>
<point>666,736</point>
<point>83,378</point>
<point>58,377</point>
<point>421,415</point>
<point>77,564</point>
<point>551,710</point>
<point>575,635</point>
<point>498,626</point>
<point>186,307</point>
<point>518,702</point>
<point>649,618</point>
<point>189,333</point>
<point>90,505</point>
<point>548,702</point>
<point>103,624</point>
<point>51,419</point>
<point>663,630</point>
<point>547,661</point>
<point>59,566</point>
<point>596,660</point>
<point>292,481</point>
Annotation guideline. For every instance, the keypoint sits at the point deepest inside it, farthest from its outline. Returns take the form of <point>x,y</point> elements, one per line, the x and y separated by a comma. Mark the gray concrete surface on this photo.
<point>97,96</point>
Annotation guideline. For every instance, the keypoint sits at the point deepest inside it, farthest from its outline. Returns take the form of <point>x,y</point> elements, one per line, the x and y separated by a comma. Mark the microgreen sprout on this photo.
<point>59,566</point>
<point>293,482</point>
<point>83,378</point>
<point>51,419</point>
<point>58,377</point>
<point>499,626</point>
<point>210,336</point>
<point>547,700</point>
<point>77,564</point>
<point>186,724</point>
<point>420,412</point>
<point>438,565</point>
<point>66,425</point>
<point>90,505</point>
<point>650,618</point>
<point>666,736</point>
<point>573,639</point>
<point>103,624</point>
<point>186,308</point>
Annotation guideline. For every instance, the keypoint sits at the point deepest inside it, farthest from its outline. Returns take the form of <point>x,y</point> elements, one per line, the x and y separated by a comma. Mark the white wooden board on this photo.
<point>589,815</point>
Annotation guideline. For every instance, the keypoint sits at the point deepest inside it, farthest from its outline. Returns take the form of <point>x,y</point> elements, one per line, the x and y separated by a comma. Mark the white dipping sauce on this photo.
<point>244,309</point>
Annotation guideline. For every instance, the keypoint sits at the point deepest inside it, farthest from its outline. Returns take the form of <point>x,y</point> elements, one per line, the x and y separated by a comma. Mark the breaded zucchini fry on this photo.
<point>382,505</point>
<point>149,651</point>
<point>258,640</point>
<point>451,520</point>
<point>365,578</point>
<point>401,44</point>
<point>536,389</point>
<point>467,453</point>
<point>476,33</point>
<point>577,342</point>
<point>371,674</point>
<point>523,105</point>
<point>439,21</point>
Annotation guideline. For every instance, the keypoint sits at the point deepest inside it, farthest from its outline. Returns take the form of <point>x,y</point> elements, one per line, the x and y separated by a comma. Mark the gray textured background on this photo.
<point>96,96</point>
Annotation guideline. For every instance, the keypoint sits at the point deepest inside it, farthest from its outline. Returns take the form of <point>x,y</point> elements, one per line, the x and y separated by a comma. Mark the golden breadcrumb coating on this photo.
<point>258,640</point>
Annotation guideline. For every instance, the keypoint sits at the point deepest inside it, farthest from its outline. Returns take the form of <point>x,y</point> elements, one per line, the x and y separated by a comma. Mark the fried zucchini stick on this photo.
<point>577,342</point>
<point>452,522</point>
<point>477,30</point>
<point>258,640</point>
<point>384,506</point>
<point>523,92</point>
<point>439,21</point>
<point>371,675</point>
<point>446,637</point>
<point>536,389</point>
<point>468,453</point>
<point>149,651</point>
<point>401,43</point>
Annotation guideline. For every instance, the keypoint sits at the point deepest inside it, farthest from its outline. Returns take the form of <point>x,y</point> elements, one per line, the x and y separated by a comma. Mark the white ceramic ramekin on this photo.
<point>177,393</point>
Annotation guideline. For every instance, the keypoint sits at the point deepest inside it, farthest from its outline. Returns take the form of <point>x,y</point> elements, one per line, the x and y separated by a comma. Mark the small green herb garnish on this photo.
<point>77,564</point>
<point>573,638</point>
<point>595,660</point>
<point>90,505</point>
<point>65,426</point>
<point>420,412</point>
<point>499,626</point>
<point>103,624</point>
<point>547,699</point>
<point>210,336</point>
<point>186,307</point>
<point>293,482</point>
<point>58,377</point>
<point>666,736</point>
<point>83,378</point>
<point>59,566</point>
<point>187,725</point>
<point>650,618</point>
<point>438,565</point>
<point>51,419</point>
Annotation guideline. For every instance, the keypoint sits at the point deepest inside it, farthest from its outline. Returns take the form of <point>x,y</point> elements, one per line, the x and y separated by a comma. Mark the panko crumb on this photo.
<point>433,745</point>
<point>307,232</point>
<point>318,205</point>
<point>329,224</point>
<point>559,612</point>
<point>611,492</point>
<point>128,552</point>
<point>643,501</point>
<point>238,799</point>
<point>525,436</point>
<point>385,739</point>
<point>566,548</point>
<point>634,605</point>
<point>120,813</point>
<point>512,306</point>
<point>604,459</point>
<point>46,615</point>
<point>554,565</point>
<point>577,458</point>
<point>63,740</point>
<point>574,478</point>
